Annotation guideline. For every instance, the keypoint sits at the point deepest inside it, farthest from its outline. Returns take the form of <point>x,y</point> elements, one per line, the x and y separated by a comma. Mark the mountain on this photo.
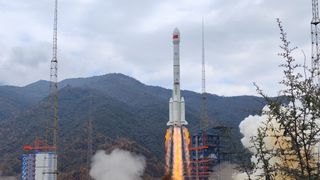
<point>125,113</point>
<point>17,99</point>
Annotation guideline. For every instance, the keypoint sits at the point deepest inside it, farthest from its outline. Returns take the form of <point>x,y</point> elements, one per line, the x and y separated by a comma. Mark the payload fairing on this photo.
<point>176,103</point>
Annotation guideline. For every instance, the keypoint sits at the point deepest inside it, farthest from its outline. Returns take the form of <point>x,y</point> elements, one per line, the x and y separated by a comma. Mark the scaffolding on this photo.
<point>209,148</point>
<point>28,167</point>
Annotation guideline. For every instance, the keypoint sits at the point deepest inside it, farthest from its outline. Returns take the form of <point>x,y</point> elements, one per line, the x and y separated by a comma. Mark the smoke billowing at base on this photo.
<point>273,139</point>
<point>225,171</point>
<point>249,128</point>
<point>118,165</point>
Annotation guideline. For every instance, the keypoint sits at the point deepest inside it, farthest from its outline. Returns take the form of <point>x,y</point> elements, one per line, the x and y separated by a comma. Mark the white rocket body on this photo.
<point>176,103</point>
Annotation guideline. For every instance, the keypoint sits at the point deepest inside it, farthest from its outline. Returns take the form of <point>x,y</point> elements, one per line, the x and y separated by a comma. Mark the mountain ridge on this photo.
<point>120,107</point>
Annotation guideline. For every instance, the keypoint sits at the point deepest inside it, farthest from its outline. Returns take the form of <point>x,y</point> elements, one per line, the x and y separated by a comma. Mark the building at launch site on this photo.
<point>39,164</point>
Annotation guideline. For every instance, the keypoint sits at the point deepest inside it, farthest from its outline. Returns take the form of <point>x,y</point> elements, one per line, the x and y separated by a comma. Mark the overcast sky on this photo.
<point>133,37</point>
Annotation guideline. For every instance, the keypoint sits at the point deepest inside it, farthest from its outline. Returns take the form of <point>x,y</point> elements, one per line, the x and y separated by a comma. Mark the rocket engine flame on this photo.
<point>177,173</point>
<point>177,152</point>
<point>168,149</point>
<point>186,144</point>
<point>186,135</point>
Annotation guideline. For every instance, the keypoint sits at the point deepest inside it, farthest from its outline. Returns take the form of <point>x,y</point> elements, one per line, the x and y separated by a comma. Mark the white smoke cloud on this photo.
<point>240,176</point>
<point>249,128</point>
<point>225,171</point>
<point>6,177</point>
<point>118,165</point>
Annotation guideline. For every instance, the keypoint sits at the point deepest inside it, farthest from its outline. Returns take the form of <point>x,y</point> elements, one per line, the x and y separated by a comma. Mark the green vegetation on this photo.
<point>125,113</point>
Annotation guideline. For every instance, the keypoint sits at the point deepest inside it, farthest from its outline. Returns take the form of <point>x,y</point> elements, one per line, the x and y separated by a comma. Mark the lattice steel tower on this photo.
<point>315,34</point>
<point>89,151</point>
<point>204,107</point>
<point>54,78</point>
<point>52,123</point>
<point>89,138</point>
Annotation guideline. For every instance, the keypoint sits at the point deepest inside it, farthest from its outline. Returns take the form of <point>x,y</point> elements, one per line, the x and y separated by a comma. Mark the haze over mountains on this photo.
<point>125,112</point>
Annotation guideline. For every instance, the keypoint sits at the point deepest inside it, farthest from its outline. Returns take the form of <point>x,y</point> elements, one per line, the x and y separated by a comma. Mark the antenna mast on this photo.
<point>204,109</point>
<point>47,166</point>
<point>90,142</point>
<point>90,151</point>
<point>54,78</point>
<point>315,34</point>
<point>52,123</point>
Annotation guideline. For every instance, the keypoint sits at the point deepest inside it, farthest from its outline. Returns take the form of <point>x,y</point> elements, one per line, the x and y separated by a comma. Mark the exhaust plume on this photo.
<point>118,165</point>
<point>275,139</point>
<point>249,128</point>
<point>177,173</point>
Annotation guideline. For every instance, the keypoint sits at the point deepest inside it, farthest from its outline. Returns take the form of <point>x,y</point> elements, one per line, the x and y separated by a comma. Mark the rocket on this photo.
<point>176,103</point>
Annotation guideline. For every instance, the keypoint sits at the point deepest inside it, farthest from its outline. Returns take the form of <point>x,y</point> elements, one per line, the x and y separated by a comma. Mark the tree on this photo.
<point>286,146</point>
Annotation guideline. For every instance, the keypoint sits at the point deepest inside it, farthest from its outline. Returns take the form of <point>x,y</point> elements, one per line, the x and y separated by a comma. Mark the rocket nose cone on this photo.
<point>176,31</point>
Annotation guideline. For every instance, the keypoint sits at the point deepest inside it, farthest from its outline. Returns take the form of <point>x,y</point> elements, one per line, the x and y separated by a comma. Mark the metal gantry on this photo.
<point>53,93</point>
<point>198,166</point>
<point>204,109</point>
<point>53,90</point>
<point>315,35</point>
<point>89,138</point>
<point>45,162</point>
<point>90,151</point>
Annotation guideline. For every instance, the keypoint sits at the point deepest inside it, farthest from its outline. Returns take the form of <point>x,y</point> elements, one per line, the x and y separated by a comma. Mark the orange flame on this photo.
<point>177,155</point>
<point>177,145</point>
<point>186,135</point>
<point>168,149</point>
<point>168,136</point>
<point>186,150</point>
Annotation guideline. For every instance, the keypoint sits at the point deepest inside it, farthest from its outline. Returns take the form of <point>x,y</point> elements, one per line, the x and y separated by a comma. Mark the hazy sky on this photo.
<point>134,38</point>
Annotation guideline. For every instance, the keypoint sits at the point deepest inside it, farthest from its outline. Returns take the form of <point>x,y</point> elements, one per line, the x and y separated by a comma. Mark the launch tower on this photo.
<point>209,146</point>
<point>315,33</point>
<point>41,160</point>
